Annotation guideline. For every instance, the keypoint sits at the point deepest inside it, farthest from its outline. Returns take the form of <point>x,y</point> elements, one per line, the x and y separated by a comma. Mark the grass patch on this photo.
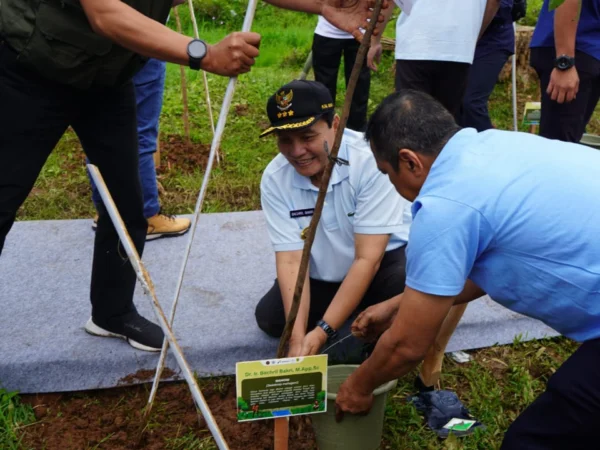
<point>13,416</point>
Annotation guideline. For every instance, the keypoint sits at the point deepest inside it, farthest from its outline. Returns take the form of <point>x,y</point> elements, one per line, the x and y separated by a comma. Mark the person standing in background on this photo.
<point>435,45</point>
<point>567,62</point>
<point>329,44</point>
<point>149,85</point>
<point>493,49</point>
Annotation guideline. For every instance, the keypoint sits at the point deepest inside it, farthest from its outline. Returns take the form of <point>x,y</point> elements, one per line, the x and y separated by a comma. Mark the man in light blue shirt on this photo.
<point>358,257</point>
<point>485,219</point>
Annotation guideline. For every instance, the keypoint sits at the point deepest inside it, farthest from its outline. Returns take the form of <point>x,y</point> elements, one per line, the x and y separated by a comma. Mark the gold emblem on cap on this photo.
<point>283,100</point>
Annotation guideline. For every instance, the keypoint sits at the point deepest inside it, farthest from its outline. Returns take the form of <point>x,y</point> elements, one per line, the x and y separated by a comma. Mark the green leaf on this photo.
<point>554,4</point>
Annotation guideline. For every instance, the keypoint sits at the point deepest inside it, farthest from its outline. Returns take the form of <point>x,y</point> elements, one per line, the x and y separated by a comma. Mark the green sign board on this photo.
<point>281,387</point>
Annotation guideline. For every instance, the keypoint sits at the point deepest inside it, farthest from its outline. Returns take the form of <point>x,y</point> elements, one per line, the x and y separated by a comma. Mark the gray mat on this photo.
<point>44,292</point>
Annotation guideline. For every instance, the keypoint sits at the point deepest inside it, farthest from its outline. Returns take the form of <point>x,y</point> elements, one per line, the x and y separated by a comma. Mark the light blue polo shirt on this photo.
<point>359,200</point>
<point>520,216</point>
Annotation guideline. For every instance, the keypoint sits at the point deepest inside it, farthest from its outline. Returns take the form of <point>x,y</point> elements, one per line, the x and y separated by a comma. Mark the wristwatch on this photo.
<point>331,333</point>
<point>196,51</point>
<point>564,62</point>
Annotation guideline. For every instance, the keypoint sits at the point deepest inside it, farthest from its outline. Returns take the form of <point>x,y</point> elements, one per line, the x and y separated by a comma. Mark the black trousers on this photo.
<point>387,283</point>
<point>567,121</point>
<point>567,414</point>
<point>444,80</point>
<point>327,55</point>
<point>482,79</point>
<point>34,114</point>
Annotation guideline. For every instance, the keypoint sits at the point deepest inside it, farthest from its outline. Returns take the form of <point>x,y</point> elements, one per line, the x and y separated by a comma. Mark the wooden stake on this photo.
<point>432,364</point>
<point>204,79</point>
<point>282,424</point>
<point>186,120</point>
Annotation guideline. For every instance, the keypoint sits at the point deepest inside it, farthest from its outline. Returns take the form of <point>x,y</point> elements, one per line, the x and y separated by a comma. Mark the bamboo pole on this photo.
<point>514,81</point>
<point>148,286</point>
<point>208,103</point>
<point>281,424</point>
<point>307,66</point>
<point>213,151</point>
<point>186,119</point>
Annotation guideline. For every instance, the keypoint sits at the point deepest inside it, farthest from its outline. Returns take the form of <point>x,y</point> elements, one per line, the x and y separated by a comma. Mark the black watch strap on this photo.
<point>196,51</point>
<point>331,333</point>
<point>564,62</point>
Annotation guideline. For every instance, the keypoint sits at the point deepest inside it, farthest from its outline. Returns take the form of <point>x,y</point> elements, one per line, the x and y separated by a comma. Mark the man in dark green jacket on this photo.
<point>70,63</point>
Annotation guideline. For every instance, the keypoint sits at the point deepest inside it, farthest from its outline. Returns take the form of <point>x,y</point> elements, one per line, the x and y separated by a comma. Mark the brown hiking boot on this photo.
<point>160,225</point>
<point>163,225</point>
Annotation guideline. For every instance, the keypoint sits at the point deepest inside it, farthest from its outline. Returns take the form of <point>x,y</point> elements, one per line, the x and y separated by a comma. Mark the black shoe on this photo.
<point>135,329</point>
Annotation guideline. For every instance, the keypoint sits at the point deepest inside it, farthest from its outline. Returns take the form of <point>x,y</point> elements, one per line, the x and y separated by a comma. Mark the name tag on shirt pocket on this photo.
<point>302,213</point>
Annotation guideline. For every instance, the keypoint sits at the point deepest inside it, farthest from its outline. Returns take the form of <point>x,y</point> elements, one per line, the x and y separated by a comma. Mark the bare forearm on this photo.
<point>127,27</point>
<point>309,6</point>
<point>387,362</point>
<point>469,293</point>
<point>566,19</point>
<point>491,9</point>
<point>351,292</point>
<point>287,274</point>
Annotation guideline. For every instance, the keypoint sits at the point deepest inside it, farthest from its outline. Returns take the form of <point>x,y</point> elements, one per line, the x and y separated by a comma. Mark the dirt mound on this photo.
<point>177,154</point>
<point>113,419</point>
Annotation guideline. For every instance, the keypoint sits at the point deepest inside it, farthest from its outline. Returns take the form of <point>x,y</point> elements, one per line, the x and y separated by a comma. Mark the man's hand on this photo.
<point>178,2</point>
<point>233,55</point>
<point>352,15</point>
<point>313,341</point>
<point>375,320</point>
<point>374,56</point>
<point>350,399</point>
<point>563,85</point>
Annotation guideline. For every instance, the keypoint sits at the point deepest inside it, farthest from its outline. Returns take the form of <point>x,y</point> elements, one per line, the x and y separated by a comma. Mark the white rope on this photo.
<point>213,151</point>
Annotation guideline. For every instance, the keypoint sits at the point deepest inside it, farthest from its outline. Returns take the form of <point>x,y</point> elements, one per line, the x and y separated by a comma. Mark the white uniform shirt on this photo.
<point>360,199</point>
<point>439,30</point>
<point>326,29</point>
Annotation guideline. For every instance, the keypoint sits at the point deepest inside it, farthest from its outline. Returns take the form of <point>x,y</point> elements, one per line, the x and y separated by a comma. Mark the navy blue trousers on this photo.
<point>482,79</point>
<point>567,414</point>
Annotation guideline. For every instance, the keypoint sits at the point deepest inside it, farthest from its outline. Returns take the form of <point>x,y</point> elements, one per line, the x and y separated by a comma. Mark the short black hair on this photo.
<point>409,119</point>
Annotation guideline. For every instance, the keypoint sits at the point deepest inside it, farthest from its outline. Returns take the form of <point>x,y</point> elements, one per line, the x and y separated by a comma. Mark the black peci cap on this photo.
<point>297,105</point>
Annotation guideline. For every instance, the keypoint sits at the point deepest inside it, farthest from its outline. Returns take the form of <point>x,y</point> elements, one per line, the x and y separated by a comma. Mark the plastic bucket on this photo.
<point>591,141</point>
<point>354,432</point>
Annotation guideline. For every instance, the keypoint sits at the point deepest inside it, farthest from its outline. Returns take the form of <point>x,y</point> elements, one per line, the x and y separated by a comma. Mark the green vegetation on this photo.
<point>13,416</point>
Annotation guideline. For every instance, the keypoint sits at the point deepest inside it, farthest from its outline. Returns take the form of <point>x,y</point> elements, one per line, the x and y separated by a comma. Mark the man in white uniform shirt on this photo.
<point>435,45</point>
<point>357,258</point>
<point>329,43</point>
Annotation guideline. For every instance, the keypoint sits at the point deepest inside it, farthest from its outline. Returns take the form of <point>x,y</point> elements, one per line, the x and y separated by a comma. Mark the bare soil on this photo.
<point>177,154</point>
<point>113,419</point>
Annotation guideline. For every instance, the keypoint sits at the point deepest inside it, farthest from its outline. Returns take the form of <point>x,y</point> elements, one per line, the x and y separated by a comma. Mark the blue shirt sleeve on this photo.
<point>379,208</point>
<point>445,240</point>
<point>284,232</point>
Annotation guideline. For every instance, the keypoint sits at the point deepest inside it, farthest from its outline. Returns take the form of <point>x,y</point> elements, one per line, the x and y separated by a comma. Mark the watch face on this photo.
<point>563,63</point>
<point>197,49</point>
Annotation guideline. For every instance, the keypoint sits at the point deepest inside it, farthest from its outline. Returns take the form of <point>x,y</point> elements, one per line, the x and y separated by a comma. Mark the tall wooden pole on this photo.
<point>281,424</point>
